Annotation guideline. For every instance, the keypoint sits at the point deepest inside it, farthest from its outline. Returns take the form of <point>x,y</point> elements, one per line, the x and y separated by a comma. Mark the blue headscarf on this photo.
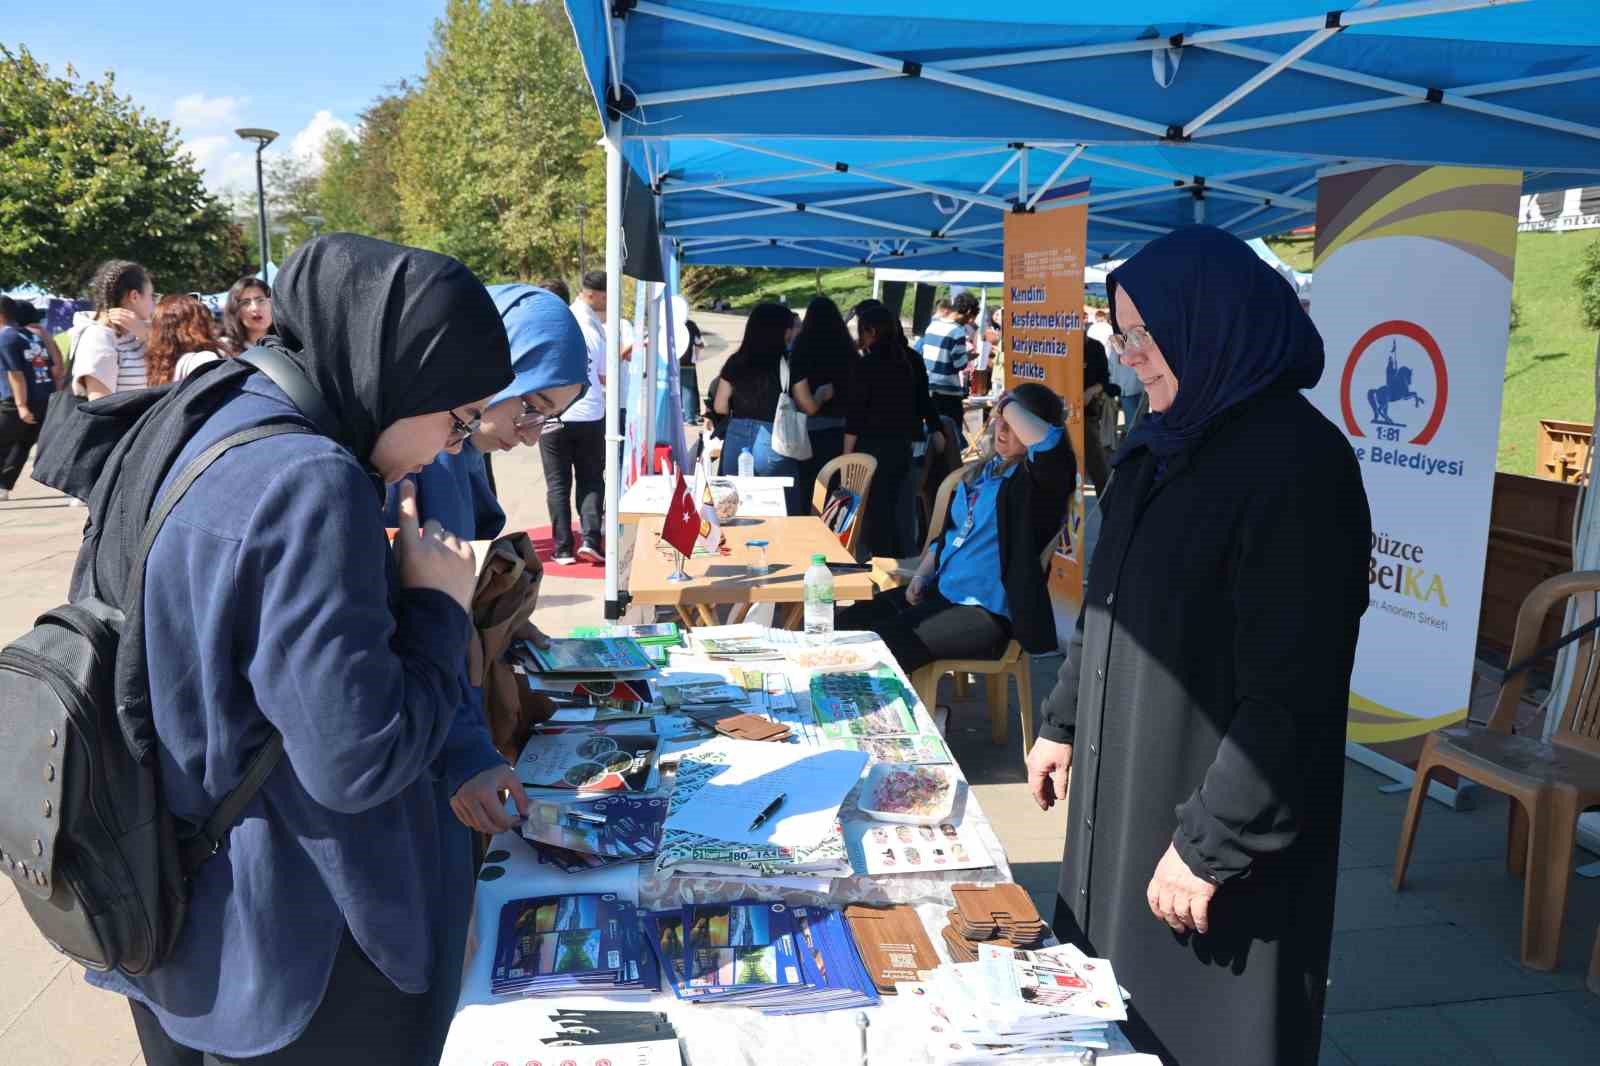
<point>547,348</point>
<point>1229,326</point>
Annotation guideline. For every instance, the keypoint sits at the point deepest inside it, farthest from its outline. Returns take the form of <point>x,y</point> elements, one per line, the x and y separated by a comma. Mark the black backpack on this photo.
<point>101,865</point>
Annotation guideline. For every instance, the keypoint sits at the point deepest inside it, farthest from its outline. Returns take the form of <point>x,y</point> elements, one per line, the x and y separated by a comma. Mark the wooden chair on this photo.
<point>1548,783</point>
<point>855,473</point>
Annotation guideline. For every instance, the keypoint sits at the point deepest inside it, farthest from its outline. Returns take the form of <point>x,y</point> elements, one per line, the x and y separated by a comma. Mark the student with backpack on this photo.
<point>272,613</point>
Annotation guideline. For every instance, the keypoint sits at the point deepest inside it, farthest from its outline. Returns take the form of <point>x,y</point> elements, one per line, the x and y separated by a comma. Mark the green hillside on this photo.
<point>1550,365</point>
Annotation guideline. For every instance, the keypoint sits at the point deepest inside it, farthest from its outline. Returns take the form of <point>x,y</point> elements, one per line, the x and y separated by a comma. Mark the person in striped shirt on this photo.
<point>107,350</point>
<point>945,352</point>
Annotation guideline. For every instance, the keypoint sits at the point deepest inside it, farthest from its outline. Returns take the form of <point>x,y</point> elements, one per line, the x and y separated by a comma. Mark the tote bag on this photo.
<point>789,436</point>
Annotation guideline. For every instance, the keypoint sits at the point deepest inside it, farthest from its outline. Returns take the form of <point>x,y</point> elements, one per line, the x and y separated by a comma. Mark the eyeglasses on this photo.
<point>459,430</point>
<point>1135,339</point>
<point>250,302</point>
<point>531,417</point>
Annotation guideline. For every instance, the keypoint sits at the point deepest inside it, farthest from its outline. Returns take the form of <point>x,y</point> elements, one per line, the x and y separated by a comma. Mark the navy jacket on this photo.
<point>271,597</point>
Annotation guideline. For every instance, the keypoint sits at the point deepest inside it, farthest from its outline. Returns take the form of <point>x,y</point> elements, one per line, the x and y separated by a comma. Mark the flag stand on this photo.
<point>678,573</point>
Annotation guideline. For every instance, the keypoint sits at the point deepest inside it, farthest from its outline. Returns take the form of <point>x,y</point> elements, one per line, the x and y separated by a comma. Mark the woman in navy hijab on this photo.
<point>1203,699</point>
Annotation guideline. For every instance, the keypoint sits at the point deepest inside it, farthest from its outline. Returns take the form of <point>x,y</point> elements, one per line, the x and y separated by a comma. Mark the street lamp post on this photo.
<point>316,222</point>
<point>262,138</point>
<point>583,265</point>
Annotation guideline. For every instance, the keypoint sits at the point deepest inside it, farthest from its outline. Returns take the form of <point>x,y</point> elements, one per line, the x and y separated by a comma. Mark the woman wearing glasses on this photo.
<point>273,603</point>
<point>247,315</point>
<point>1202,704</point>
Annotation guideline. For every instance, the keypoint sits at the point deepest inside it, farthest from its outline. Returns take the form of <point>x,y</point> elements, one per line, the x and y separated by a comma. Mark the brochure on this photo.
<point>587,760</point>
<point>590,655</point>
<point>871,704</point>
<point>877,848</point>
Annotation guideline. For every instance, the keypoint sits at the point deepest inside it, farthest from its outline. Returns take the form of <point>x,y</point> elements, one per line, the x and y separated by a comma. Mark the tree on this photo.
<point>358,188</point>
<point>85,176</point>
<point>1588,282</point>
<point>498,145</point>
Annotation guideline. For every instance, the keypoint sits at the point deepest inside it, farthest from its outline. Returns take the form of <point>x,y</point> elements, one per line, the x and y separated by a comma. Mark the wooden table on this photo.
<point>725,579</point>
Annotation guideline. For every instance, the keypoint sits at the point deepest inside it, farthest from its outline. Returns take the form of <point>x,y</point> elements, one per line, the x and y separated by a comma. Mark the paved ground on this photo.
<point>1427,976</point>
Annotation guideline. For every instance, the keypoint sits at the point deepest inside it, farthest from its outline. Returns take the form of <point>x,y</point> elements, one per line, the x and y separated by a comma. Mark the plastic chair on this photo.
<point>1014,664</point>
<point>1549,783</point>
<point>855,473</point>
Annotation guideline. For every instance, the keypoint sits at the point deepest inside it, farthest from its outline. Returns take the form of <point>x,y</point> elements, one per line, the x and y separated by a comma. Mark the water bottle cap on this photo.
<point>819,559</point>
<point>755,544</point>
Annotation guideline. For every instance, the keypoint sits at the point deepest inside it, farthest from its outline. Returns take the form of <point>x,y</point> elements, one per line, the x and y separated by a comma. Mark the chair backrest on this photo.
<point>1579,724</point>
<point>855,472</point>
<point>941,503</point>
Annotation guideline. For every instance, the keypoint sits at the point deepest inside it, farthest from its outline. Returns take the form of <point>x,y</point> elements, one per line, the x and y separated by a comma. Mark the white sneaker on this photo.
<point>73,501</point>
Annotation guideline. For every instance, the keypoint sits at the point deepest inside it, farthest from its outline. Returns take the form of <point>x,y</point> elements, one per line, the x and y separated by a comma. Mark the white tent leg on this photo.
<point>613,604</point>
<point>647,403</point>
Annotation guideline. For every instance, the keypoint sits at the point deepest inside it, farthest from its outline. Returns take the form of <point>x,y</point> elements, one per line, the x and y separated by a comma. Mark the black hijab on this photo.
<point>381,331</point>
<point>1229,326</point>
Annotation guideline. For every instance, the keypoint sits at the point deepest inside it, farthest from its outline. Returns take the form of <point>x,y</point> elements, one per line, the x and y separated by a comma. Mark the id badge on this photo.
<point>956,543</point>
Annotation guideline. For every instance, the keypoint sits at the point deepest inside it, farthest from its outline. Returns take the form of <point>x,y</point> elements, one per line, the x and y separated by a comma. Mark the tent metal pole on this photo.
<point>770,85</point>
<point>817,210</point>
<point>1217,182</point>
<point>730,216</point>
<point>670,187</point>
<point>1108,220</point>
<point>1348,17</point>
<point>1512,114</point>
<point>1022,174</point>
<point>1072,157</point>
<point>818,251</point>
<point>656,350</point>
<point>613,603</point>
<point>1257,80</point>
<point>1007,165</point>
<point>964,230</point>
<point>1315,114</point>
<point>871,175</point>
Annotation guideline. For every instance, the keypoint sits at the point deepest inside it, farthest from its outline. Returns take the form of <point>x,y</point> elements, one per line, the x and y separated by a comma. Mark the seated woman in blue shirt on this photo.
<point>980,585</point>
<point>273,602</point>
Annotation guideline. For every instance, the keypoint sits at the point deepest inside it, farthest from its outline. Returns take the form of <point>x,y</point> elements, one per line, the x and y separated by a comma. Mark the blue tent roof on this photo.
<point>823,132</point>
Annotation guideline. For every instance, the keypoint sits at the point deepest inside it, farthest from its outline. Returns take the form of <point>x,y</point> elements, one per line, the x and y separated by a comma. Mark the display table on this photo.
<point>759,497</point>
<point>724,580</point>
<point>486,1028</point>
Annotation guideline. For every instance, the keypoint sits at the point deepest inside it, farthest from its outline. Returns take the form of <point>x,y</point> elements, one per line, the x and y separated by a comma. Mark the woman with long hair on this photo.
<point>888,409</point>
<point>1202,704</point>
<point>824,359</point>
<point>247,315</point>
<point>980,584</point>
<point>275,606</point>
<point>748,390</point>
<point>183,337</point>
<point>107,347</point>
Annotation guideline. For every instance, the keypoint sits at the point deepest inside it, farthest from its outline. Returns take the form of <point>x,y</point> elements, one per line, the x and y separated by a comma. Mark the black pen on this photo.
<point>767,812</point>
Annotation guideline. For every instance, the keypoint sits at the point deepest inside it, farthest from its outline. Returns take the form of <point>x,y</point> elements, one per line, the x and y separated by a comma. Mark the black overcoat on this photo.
<point>1205,694</point>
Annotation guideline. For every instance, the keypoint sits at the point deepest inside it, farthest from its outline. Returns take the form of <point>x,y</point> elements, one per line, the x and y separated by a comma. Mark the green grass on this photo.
<point>1550,362</point>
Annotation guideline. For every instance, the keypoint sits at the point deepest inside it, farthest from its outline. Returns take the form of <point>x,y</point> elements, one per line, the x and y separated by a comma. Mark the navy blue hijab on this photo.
<point>1229,326</point>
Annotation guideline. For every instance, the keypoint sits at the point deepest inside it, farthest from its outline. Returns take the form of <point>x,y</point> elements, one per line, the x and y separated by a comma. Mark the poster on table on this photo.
<point>1413,299</point>
<point>1044,326</point>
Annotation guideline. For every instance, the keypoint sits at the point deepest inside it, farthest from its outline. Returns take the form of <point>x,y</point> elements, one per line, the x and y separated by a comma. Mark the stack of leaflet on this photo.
<point>585,669</point>
<point>562,945</point>
<point>776,958</point>
<point>748,809</point>
<point>569,760</point>
<point>654,638</point>
<point>1016,1003</point>
<point>571,1037</point>
<point>585,834</point>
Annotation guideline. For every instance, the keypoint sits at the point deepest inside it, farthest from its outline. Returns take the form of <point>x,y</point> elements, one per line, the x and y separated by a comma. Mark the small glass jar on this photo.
<point>756,561</point>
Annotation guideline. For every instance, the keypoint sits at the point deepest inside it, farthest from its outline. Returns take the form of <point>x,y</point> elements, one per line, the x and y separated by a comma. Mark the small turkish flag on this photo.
<point>682,525</point>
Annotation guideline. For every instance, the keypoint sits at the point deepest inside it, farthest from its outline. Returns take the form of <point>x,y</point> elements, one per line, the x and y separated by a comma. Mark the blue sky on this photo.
<point>297,66</point>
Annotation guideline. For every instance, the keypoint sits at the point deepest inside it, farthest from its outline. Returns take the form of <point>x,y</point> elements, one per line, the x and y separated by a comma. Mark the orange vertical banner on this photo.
<point>1044,326</point>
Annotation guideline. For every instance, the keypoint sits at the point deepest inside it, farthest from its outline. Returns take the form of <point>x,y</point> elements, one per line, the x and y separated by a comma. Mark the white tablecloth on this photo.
<point>759,497</point>
<point>486,1028</point>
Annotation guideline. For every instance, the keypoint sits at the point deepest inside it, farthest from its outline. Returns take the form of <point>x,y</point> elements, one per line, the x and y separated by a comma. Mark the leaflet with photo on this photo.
<point>584,656</point>
<point>557,945</point>
<point>879,848</point>
<point>588,760</point>
<point>873,704</point>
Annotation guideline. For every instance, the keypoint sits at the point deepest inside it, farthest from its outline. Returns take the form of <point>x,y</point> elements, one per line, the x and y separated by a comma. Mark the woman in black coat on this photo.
<point>1202,704</point>
<point>981,583</point>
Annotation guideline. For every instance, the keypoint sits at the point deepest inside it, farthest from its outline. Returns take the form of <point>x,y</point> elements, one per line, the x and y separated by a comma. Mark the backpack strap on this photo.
<point>207,839</point>
<point>288,376</point>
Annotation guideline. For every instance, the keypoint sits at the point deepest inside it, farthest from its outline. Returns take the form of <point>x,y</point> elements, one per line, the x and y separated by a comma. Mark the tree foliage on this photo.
<point>357,191</point>
<point>497,146</point>
<point>85,176</point>
<point>1588,282</point>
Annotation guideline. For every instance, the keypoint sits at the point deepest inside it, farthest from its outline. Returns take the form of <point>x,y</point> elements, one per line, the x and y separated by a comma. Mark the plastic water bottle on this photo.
<point>819,596</point>
<point>747,464</point>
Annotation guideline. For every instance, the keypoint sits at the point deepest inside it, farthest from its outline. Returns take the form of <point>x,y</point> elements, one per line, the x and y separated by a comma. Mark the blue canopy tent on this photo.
<point>819,133</point>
